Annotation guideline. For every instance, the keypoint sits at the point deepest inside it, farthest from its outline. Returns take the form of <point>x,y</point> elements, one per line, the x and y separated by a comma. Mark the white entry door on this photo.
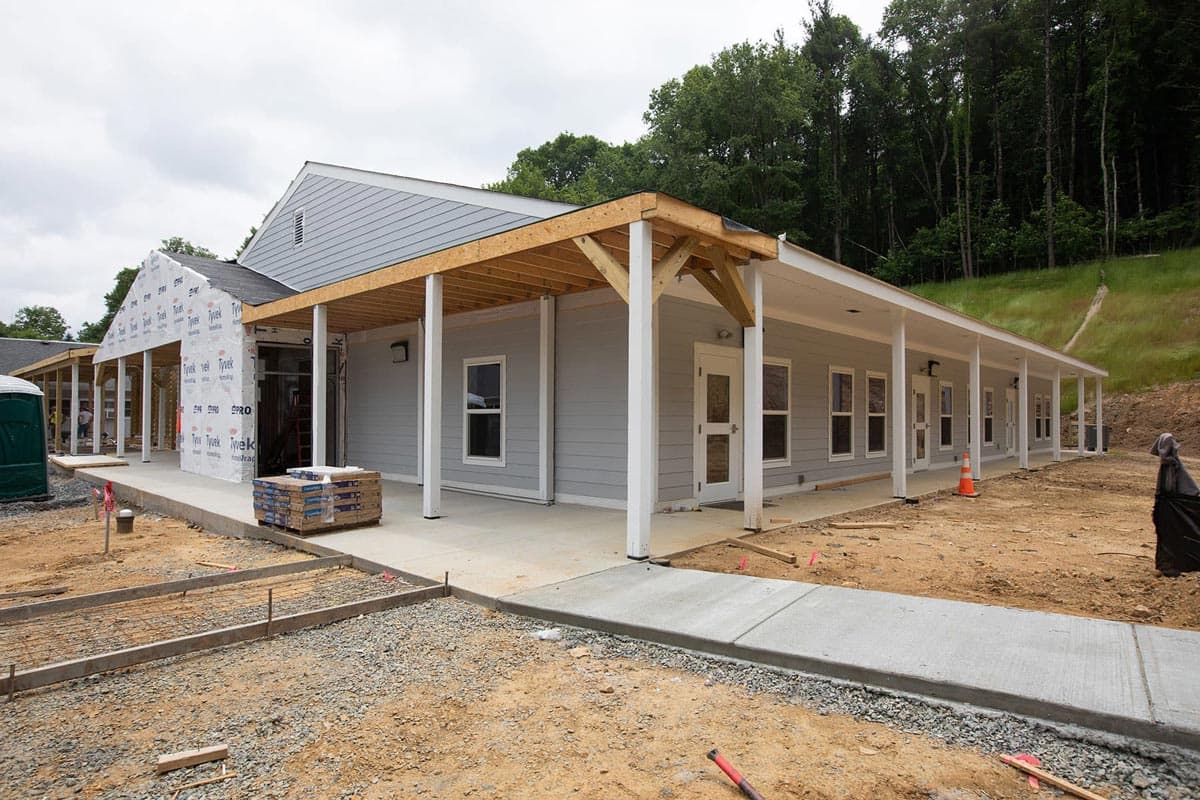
<point>718,419</point>
<point>1010,422</point>
<point>920,422</point>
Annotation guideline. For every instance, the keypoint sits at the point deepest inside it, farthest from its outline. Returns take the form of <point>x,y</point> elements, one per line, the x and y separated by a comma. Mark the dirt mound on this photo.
<point>1136,420</point>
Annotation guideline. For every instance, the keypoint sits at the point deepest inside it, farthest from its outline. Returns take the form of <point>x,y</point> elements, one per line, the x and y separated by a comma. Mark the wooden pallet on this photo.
<point>315,531</point>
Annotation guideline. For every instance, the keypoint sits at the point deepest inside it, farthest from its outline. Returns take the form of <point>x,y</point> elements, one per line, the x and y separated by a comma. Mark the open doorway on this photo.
<point>285,407</point>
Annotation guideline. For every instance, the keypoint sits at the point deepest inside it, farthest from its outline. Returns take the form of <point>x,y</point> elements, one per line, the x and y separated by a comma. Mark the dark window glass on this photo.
<point>876,396</point>
<point>947,429</point>
<point>483,386</point>
<point>775,387</point>
<point>876,434</point>
<point>483,435</point>
<point>987,430</point>
<point>774,436</point>
<point>840,435</point>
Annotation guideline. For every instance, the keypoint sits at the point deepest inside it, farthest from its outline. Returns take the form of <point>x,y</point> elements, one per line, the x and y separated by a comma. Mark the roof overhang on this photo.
<point>74,355</point>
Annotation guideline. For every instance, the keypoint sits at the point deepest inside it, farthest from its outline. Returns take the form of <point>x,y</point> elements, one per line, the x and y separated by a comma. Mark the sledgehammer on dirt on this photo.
<point>734,775</point>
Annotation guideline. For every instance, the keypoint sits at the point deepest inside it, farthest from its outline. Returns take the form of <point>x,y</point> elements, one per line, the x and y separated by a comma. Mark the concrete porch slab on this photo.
<point>1170,659</point>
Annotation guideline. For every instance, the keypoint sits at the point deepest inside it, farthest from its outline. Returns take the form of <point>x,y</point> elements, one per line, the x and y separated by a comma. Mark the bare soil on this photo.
<point>66,547</point>
<point>1136,420</point>
<point>1074,538</point>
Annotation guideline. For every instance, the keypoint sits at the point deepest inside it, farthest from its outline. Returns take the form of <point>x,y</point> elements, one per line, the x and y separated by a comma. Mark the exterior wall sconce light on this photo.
<point>724,333</point>
<point>399,351</point>
<point>931,366</point>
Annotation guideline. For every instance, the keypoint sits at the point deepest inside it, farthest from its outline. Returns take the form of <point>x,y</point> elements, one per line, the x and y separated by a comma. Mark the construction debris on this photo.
<point>34,592</point>
<point>190,758</point>
<point>787,558</point>
<point>847,526</point>
<point>733,774</point>
<point>217,565</point>
<point>196,784</point>
<point>1053,780</point>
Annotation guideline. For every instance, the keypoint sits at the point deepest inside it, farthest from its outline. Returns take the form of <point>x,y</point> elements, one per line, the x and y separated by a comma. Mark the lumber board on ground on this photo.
<point>34,610</point>
<point>820,487</point>
<point>45,590</point>
<point>119,659</point>
<point>1051,779</point>
<point>850,526</point>
<point>190,758</point>
<point>789,558</point>
<point>224,776</point>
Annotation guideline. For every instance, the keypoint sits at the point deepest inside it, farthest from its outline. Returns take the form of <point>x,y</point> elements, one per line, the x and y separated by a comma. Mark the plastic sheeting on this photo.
<point>169,302</point>
<point>1176,512</point>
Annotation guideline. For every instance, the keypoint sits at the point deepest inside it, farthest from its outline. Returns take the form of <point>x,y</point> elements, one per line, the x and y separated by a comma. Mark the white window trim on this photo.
<point>829,412</point>
<point>988,391</point>
<point>300,212</point>
<point>480,461</point>
<point>1047,415</point>
<point>786,461</point>
<point>1037,417</point>
<point>945,446</point>
<point>867,405</point>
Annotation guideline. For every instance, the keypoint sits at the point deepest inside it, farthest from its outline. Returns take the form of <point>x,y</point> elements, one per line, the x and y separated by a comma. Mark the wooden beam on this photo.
<point>190,758</point>
<point>754,547</point>
<point>616,273</point>
<point>707,225</point>
<point>737,299</point>
<point>669,265</point>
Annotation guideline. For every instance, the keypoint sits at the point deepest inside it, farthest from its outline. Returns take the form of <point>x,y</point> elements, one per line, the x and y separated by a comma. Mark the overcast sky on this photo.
<point>124,123</point>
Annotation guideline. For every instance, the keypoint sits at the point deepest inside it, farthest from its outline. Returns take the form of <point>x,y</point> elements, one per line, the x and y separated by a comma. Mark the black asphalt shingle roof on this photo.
<point>242,282</point>
<point>17,353</point>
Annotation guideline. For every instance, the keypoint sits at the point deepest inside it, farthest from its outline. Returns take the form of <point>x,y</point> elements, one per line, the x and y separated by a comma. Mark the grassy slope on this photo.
<point>1146,334</point>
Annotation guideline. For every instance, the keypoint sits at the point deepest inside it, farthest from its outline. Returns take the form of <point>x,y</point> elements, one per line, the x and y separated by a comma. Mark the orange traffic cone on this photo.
<point>966,486</point>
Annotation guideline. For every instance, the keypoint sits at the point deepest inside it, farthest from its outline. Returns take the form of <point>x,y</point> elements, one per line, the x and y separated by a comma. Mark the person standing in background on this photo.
<point>85,421</point>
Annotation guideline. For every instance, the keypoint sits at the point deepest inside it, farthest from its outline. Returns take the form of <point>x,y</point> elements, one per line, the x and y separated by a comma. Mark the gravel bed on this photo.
<point>67,493</point>
<point>51,750</point>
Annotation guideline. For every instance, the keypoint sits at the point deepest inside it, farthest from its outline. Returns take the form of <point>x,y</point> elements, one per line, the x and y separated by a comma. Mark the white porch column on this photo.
<point>320,399</point>
<point>160,429</point>
<point>1056,415</point>
<point>899,405</point>
<point>119,409</point>
<point>752,404</point>
<point>640,466</point>
<point>97,408</point>
<point>975,381</point>
<point>546,308</point>
<point>147,388</point>
<point>420,356</point>
<point>1082,418</point>
<point>74,421</point>
<point>1099,416</point>
<point>1023,414</point>
<point>431,403</point>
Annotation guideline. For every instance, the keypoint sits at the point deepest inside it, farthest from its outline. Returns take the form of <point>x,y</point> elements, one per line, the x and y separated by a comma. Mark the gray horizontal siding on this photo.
<point>352,228</point>
<point>590,401</point>
<point>381,409</point>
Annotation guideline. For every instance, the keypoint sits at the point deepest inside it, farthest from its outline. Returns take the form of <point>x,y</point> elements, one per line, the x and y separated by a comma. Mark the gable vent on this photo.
<point>298,228</point>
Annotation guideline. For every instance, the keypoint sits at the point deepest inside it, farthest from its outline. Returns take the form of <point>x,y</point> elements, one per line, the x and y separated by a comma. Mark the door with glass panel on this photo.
<point>920,422</point>
<point>718,420</point>
<point>1010,422</point>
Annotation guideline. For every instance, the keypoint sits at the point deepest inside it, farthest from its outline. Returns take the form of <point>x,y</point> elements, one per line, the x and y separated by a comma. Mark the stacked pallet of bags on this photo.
<point>316,499</point>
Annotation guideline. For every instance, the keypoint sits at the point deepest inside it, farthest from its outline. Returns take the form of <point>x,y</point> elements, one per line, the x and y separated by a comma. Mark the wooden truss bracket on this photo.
<point>725,285</point>
<point>616,273</point>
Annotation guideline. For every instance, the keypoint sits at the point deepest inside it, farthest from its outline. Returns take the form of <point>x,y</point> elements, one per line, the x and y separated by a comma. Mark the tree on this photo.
<point>246,241</point>
<point>39,322</point>
<point>94,331</point>
<point>574,169</point>
<point>177,244</point>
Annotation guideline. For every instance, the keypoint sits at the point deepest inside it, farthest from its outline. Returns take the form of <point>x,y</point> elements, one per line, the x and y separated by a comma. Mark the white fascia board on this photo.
<point>828,270</point>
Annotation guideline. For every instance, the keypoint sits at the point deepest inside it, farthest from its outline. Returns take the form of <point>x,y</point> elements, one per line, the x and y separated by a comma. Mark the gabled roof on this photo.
<point>17,353</point>
<point>356,221</point>
<point>229,276</point>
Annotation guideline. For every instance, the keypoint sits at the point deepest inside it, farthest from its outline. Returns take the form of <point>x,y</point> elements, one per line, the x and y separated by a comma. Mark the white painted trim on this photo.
<point>899,404</point>
<point>320,364</point>
<point>829,412</point>
<point>867,409</point>
<point>752,404</point>
<point>1099,416</point>
<point>926,384</point>
<point>400,477</point>
<point>945,447</point>
<point>975,410</point>
<point>586,500</point>
<point>1023,414</point>
<point>420,357</point>
<point>467,412</point>
<point>498,492</point>
<point>1056,416</point>
<point>74,421</point>
<point>1038,416</point>
<point>546,340</point>
<point>1080,414</point>
<point>431,475</point>
<point>147,390</point>
<point>988,390</point>
<point>97,410</point>
<point>786,461</point>
<point>119,407</point>
<point>641,459</point>
<point>701,350</point>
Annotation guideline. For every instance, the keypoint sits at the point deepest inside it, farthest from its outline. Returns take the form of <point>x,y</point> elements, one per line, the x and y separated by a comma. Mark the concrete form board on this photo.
<point>1170,658</point>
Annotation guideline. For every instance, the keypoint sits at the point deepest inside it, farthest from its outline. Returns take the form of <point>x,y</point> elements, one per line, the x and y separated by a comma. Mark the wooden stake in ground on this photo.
<point>190,758</point>
<point>1053,780</point>
<point>788,558</point>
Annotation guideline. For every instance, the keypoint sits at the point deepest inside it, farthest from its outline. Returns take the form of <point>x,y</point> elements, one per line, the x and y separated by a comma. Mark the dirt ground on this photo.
<point>1074,538</point>
<point>66,547</point>
<point>1136,420</point>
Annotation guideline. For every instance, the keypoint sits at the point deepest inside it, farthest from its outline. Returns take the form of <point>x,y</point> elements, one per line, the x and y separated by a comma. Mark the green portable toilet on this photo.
<point>22,441</point>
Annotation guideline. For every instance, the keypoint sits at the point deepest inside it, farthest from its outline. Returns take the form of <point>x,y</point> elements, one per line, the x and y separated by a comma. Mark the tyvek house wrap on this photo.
<point>169,302</point>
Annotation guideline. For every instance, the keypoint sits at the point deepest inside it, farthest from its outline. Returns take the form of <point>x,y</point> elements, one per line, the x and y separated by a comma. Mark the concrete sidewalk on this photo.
<point>1133,680</point>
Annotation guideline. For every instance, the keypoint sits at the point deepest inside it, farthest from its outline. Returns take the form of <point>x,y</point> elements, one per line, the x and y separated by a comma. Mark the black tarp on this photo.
<point>1176,512</point>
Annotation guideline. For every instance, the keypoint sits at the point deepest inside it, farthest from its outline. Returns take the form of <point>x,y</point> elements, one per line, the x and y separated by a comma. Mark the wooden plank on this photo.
<point>45,590</point>
<point>851,526</point>
<point>119,659</point>
<point>1051,779</point>
<point>616,273</point>
<point>820,487</point>
<point>34,610</point>
<point>224,776</point>
<point>190,758</point>
<point>787,558</point>
<point>669,265</point>
<point>708,225</point>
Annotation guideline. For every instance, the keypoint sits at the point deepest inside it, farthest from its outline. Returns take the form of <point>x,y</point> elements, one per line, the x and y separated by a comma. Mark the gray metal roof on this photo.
<point>17,353</point>
<point>242,282</point>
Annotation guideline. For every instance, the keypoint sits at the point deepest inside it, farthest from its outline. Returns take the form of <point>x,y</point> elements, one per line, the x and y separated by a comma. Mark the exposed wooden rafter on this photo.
<point>616,273</point>
<point>669,265</point>
<point>725,285</point>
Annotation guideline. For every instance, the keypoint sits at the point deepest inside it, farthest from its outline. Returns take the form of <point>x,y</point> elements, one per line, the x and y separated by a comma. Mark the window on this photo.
<point>841,413</point>
<point>777,393</point>
<point>483,411</point>
<point>1037,416</point>
<point>989,415</point>
<point>946,411</point>
<point>298,227</point>
<point>876,414</point>
<point>1046,416</point>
